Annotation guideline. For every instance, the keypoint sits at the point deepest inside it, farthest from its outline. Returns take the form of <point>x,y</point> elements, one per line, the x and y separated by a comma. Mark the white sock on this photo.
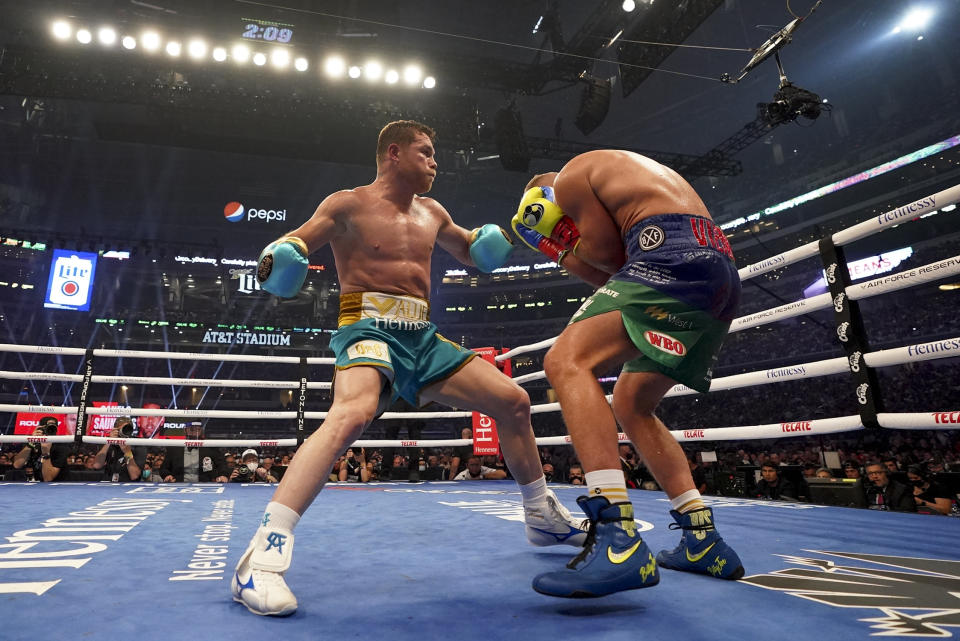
<point>689,500</point>
<point>535,491</point>
<point>608,483</point>
<point>278,516</point>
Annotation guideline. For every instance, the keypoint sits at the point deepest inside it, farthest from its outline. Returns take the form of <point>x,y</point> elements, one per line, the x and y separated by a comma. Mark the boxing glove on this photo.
<point>490,247</point>
<point>282,266</point>
<point>542,225</point>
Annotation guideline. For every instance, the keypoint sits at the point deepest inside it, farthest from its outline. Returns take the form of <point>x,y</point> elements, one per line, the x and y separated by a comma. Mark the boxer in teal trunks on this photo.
<point>667,291</point>
<point>394,334</point>
<point>382,236</point>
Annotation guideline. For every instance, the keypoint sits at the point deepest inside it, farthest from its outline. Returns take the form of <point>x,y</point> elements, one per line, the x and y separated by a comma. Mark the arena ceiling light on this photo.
<point>150,40</point>
<point>84,36</point>
<point>197,49</point>
<point>173,48</point>
<point>372,70</point>
<point>219,54</point>
<point>61,29</point>
<point>241,53</point>
<point>392,77</point>
<point>259,59</point>
<point>129,42</point>
<point>412,74</point>
<point>107,36</point>
<point>301,64</point>
<point>280,58</point>
<point>429,82</point>
<point>915,19</point>
<point>355,72</point>
<point>334,66</point>
<point>629,5</point>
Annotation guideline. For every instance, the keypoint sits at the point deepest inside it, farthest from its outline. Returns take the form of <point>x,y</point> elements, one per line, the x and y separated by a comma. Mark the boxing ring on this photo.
<point>85,558</point>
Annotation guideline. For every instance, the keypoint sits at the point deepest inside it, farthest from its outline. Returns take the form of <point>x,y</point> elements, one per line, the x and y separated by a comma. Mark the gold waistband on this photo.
<point>356,306</point>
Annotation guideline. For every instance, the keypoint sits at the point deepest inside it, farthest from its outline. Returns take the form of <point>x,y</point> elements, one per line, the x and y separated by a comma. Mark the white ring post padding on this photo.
<point>949,420</point>
<point>945,348</point>
<point>898,215</point>
<point>901,280</point>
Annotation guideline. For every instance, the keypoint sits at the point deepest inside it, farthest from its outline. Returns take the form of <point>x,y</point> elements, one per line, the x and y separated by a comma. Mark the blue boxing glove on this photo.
<point>490,247</point>
<point>282,266</point>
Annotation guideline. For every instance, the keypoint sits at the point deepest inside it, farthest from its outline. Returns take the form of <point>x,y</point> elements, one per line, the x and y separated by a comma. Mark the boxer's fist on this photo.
<point>282,266</point>
<point>539,211</point>
<point>490,247</point>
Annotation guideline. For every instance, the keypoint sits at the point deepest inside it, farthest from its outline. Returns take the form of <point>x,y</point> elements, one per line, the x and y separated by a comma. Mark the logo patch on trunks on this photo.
<point>369,349</point>
<point>651,237</point>
<point>665,343</point>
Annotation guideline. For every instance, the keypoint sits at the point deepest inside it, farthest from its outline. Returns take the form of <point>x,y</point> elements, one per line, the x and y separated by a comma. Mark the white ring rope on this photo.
<point>188,356</point>
<point>152,380</point>
<point>895,216</point>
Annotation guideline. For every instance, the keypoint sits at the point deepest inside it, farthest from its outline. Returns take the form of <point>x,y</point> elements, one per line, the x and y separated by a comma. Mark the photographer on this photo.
<point>250,470</point>
<point>47,461</point>
<point>120,463</point>
<point>354,468</point>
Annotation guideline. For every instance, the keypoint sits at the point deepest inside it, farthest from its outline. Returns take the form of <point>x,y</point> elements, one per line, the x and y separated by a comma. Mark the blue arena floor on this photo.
<point>415,562</point>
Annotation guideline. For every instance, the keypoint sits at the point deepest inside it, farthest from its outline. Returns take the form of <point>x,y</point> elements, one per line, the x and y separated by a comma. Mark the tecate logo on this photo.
<point>235,212</point>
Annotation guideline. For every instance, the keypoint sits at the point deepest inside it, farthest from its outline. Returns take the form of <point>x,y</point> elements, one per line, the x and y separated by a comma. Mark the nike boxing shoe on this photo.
<point>549,523</point>
<point>614,557</point>
<point>258,580</point>
<point>701,549</point>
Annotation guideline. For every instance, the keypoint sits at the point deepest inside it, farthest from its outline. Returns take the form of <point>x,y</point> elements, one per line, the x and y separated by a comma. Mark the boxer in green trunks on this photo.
<point>667,291</point>
<point>383,235</point>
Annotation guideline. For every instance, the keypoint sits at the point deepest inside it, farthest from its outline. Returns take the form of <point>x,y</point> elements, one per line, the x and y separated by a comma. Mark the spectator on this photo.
<point>824,473</point>
<point>250,470</point>
<point>433,471</point>
<point>46,461</point>
<point>120,463</point>
<point>475,472</point>
<point>699,476</point>
<point>354,468</point>
<point>931,497</point>
<point>461,453</point>
<point>548,472</point>
<point>629,463</point>
<point>575,475</point>
<point>772,486</point>
<point>884,493</point>
<point>851,470</point>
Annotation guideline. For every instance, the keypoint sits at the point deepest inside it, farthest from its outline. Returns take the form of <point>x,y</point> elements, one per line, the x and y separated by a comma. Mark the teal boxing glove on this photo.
<point>282,266</point>
<point>490,247</point>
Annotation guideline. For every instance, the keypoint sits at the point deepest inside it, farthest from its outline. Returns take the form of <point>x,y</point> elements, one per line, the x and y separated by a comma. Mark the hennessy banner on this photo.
<point>485,439</point>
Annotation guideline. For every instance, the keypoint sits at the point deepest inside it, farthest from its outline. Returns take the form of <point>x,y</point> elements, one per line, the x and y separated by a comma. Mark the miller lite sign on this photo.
<point>71,280</point>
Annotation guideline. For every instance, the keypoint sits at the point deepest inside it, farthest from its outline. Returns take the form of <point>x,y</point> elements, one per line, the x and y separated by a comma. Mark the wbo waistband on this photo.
<point>664,232</point>
<point>356,306</point>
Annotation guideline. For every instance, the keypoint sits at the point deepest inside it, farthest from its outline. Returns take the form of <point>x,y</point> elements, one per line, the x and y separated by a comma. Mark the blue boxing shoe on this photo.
<point>614,557</point>
<point>701,549</point>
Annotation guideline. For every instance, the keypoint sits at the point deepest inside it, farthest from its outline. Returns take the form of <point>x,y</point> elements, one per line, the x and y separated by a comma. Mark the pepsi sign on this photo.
<point>71,280</point>
<point>235,212</point>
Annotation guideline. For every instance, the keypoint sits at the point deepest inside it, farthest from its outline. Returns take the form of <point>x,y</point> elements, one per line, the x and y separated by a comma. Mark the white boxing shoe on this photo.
<point>258,580</point>
<point>549,523</point>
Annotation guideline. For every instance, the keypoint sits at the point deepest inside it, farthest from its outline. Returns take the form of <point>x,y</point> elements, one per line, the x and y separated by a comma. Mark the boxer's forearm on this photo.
<point>585,272</point>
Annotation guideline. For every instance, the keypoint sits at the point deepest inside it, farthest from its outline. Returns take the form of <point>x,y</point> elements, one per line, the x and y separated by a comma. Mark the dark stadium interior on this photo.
<point>108,150</point>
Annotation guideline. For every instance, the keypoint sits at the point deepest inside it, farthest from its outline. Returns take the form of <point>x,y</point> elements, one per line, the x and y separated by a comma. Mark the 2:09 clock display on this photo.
<point>270,33</point>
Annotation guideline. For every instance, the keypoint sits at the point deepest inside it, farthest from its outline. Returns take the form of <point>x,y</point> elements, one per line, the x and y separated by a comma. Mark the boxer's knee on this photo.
<point>556,363</point>
<point>351,418</point>
<point>513,407</point>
